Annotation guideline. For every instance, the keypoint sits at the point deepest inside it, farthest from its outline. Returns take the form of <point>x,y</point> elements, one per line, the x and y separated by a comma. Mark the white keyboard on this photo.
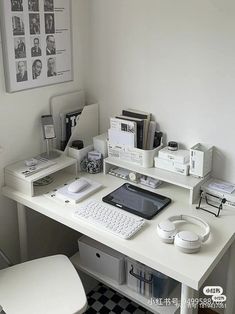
<point>110,219</point>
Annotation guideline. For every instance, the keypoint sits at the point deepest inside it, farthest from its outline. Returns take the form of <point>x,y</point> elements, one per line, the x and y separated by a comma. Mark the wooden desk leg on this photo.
<point>230,286</point>
<point>22,226</point>
<point>186,294</point>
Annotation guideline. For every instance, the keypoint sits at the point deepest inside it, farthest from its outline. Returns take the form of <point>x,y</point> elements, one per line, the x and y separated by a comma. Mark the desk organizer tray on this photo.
<point>147,281</point>
<point>140,157</point>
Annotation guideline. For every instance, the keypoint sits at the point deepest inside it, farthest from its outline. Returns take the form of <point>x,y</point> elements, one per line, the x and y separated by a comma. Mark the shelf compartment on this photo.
<point>187,182</point>
<point>127,292</point>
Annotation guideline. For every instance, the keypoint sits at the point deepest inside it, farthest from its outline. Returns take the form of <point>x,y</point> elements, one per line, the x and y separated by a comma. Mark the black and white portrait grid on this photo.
<point>36,42</point>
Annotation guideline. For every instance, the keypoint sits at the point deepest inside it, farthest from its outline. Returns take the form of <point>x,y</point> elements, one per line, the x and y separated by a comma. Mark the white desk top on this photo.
<point>145,246</point>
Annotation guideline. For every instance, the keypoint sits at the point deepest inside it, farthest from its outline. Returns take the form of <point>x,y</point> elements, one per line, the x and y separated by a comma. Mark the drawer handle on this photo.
<point>148,281</point>
<point>98,255</point>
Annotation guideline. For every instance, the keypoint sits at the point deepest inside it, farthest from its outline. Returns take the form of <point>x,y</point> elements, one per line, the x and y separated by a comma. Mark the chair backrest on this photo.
<point>46,285</point>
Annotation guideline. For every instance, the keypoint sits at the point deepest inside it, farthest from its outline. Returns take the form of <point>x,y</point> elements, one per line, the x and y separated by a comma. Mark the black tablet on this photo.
<point>137,201</point>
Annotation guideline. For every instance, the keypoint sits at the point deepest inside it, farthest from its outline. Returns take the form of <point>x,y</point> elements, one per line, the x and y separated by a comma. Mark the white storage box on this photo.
<point>200,160</point>
<point>140,157</point>
<point>148,282</point>
<point>172,166</point>
<point>102,259</point>
<point>100,144</point>
<point>181,155</point>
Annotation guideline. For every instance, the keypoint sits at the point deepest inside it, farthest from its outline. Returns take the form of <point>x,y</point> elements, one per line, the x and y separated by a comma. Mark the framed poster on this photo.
<point>37,43</point>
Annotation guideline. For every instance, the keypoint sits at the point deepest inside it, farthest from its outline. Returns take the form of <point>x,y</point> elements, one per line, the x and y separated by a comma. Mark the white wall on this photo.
<point>172,58</point>
<point>20,130</point>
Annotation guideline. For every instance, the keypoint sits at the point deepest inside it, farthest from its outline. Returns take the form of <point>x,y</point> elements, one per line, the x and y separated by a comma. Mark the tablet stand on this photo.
<point>221,201</point>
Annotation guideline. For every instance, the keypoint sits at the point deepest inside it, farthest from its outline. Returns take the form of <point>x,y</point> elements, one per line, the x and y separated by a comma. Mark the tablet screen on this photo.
<point>136,200</point>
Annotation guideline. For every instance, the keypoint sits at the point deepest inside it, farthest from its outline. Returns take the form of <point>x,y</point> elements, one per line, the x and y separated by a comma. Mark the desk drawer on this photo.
<point>102,259</point>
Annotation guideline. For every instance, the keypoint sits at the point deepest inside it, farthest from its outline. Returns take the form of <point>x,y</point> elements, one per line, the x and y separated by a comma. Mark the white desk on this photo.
<point>189,269</point>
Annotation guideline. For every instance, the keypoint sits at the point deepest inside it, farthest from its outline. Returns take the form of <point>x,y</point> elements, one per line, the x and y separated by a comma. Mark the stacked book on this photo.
<point>134,128</point>
<point>174,161</point>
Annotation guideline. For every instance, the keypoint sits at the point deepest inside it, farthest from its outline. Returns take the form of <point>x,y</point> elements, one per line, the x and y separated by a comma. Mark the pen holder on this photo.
<point>79,154</point>
<point>92,166</point>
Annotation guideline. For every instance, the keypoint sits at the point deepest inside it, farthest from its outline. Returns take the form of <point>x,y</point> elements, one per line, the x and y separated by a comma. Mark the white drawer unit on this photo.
<point>102,259</point>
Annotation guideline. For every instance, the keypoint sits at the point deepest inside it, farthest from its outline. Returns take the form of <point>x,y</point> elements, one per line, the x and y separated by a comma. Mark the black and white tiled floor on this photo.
<point>104,300</point>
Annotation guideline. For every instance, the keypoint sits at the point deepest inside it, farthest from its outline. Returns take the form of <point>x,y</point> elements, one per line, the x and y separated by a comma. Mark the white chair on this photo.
<point>48,285</point>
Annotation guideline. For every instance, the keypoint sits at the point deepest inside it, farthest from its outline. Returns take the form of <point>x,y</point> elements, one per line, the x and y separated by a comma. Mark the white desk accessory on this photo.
<point>151,182</point>
<point>31,162</point>
<point>110,219</point>
<point>180,155</point>
<point>94,155</point>
<point>22,178</point>
<point>221,186</point>
<point>185,241</point>
<point>225,191</point>
<point>78,186</point>
<point>76,190</point>
<point>134,176</point>
<point>102,259</point>
<point>100,144</point>
<point>120,173</point>
<point>200,160</point>
<point>125,174</point>
<point>24,169</point>
<point>133,155</point>
<point>171,165</point>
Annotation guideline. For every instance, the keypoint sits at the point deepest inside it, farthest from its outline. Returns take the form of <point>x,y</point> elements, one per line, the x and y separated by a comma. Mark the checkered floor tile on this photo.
<point>104,300</point>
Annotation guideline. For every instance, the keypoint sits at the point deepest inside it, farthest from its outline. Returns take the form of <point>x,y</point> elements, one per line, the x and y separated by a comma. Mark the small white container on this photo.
<point>102,259</point>
<point>200,160</point>
<point>100,144</point>
<point>171,165</point>
<point>140,157</point>
<point>79,154</point>
<point>180,156</point>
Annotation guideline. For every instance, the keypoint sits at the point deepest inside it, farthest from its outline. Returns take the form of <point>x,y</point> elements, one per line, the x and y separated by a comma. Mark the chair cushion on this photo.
<point>48,285</point>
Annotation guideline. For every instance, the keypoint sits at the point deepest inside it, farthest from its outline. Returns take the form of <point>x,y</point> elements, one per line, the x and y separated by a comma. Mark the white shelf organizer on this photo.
<point>187,182</point>
<point>15,180</point>
<point>127,292</point>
